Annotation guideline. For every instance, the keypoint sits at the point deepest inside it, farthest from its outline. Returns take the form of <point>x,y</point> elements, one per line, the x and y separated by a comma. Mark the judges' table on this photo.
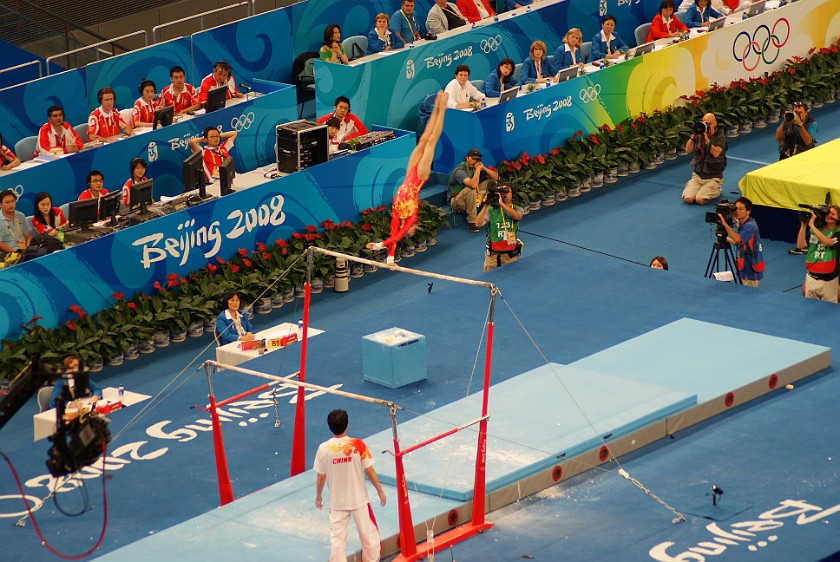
<point>164,148</point>
<point>779,188</point>
<point>540,121</point>
<point>233,354</point>
<point>44,423</point>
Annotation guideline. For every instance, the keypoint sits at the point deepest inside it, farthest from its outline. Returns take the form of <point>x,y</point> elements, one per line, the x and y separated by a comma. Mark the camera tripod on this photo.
<point>721,245</point>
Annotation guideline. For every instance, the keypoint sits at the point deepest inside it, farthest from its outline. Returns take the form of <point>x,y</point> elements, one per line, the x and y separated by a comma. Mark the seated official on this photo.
<point>47,219</point>
<point>332,50</point>
<point>137,169</point>
<point>700,13</point>
<point>144,107</point>
<point>379,38</point>
<point>536,68</point>
<point>222,76</point>
<point>500,80</point>
<point>466,184</point>
<point>231,325</point>
<point>8,160</point>
<point>606,44</point>
<point>460,90</point>
<point>57,136</point>
<point>664,23</point>
<point>105,122</point>
<point>569,53</point>
<point>475,10</point>
<point>351,126</point>
<point>179,94</point>
<point>95,181</point>
<point>443,17</point>
<point>404,23</point>
<point>333,128</point>
<point>72,365</point>
<point>214,151</point>
<point>15,232</point>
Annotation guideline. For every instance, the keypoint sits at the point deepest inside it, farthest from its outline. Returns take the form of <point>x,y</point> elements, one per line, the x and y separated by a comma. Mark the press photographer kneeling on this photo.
<point>502,218</point>
<point>821,261</point>
<point>708,144</point>
<point>750,258</point>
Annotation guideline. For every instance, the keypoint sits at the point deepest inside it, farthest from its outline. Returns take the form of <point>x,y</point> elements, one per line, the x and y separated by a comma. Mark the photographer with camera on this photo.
<point>821,261</point>
<point>750,258</point>
<point>466,182</point>
<point>796,132</point>
<point>502,220</point>
<point>708,144</point>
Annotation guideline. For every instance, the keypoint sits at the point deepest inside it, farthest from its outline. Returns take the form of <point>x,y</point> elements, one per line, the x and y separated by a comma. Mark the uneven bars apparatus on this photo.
<point>409,550</point>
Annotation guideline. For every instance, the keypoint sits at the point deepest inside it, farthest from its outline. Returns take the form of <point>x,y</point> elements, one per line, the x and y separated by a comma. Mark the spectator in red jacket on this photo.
<point>475,10</point>
<point>664,23</point>
<point>351,126</point>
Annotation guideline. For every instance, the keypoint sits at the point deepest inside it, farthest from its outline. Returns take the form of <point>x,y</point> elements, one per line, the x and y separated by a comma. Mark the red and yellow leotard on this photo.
<point>404,209</point>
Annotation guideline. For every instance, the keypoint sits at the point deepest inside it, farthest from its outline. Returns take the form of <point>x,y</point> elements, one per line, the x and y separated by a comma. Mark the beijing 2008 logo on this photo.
<point>764,44</point>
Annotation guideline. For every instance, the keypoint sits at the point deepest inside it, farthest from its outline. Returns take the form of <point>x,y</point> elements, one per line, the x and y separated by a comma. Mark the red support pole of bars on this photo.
<point>222,475</point>
<point>408,542</point>
<point>481,453</point>
<point>298,460</point>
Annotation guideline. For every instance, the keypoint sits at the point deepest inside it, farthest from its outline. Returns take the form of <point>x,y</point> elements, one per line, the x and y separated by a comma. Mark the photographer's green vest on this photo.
<point>501,231</point>
<point>821,261</point>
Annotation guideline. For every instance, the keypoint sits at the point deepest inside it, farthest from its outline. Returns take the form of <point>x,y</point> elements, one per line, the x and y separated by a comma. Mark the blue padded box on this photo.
<point>394,357</point>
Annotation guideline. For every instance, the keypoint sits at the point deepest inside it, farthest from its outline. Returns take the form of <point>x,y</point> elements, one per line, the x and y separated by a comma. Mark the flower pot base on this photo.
<point>178,337</point>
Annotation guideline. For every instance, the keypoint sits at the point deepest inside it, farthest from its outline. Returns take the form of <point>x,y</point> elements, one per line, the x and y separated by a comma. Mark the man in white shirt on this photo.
<point>460,90</point>
<point>342,463</point>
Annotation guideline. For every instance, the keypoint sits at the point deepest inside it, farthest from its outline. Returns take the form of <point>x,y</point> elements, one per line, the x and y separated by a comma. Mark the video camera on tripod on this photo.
<point>819,210</point>
<point>727,211</point>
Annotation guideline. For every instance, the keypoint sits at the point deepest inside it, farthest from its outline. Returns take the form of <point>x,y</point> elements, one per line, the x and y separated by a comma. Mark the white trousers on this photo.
<point>368,533</point>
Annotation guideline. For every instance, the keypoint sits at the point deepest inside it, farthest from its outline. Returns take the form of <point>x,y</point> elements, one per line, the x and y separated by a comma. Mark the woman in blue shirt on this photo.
<point>699,13</point>
<point>605,44</point>
<point>231,325</point>
<point>569,52</point>
<point>379,38</point>
<point>499,80</point>
<point>536,69</point>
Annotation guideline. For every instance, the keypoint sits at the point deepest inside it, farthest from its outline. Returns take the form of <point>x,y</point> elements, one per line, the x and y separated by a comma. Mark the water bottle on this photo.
<point>300,328</point>
<point>120,392</point>
<point>483,103</point>
<point>496,18</point>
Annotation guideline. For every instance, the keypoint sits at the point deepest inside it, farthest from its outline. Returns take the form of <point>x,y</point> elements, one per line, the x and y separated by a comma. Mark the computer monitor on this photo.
<point>226,174</point>
<point>109,206</point>
<point>508,94</point>
<point>756,8</point>
<point>216,99</point>
<point>717,24</point>
<point>163,117</point>
<point>140,196</point>
<point>567,73</point>
<point>193,176</point>
<point>83,213</point>
<point>645,48</point>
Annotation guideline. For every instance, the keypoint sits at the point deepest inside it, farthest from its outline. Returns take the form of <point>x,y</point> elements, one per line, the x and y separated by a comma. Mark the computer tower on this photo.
<point>301,144</point>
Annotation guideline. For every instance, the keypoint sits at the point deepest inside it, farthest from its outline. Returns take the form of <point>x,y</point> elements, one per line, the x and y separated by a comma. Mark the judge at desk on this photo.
<point>71,366</point>
<point>105,123</point>
<point>57,136</point>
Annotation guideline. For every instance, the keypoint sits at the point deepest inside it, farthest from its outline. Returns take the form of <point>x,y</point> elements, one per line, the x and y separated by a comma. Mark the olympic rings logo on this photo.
<point>590,94</point>
<point>18,189</point>
<point>764,45</point>
<point>491,44</point>
<point>242,122</point>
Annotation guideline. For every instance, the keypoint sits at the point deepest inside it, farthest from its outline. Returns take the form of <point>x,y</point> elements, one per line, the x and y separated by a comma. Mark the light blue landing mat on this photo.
<point>535,420</point>
<point>277,523</point>
<point>707,359</point>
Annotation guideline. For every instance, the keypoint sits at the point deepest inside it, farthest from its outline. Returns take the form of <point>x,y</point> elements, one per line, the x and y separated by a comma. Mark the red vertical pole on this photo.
<point>222,475</point>
<point>408,542</point>
<point>298,460</point>
<point>481,452</point>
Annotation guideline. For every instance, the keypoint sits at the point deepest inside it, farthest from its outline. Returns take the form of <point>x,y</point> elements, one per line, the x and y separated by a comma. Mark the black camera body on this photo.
<point>821,211</point>
<point>493,194</point>
<point>725,209</point>
<point>430,36</point>
<point>700,128</point>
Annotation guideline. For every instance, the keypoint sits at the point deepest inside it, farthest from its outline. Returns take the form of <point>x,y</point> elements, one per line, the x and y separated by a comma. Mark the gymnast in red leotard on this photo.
<point>406,201</point>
